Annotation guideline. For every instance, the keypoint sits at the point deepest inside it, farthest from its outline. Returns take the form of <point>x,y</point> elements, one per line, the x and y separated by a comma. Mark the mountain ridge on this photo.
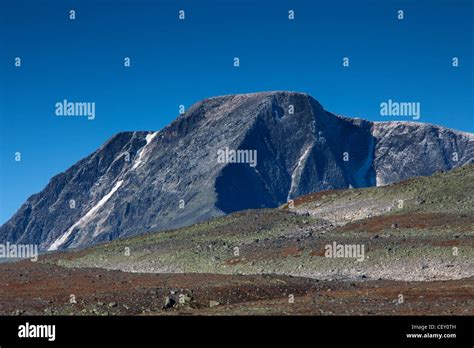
<point>298,152</point>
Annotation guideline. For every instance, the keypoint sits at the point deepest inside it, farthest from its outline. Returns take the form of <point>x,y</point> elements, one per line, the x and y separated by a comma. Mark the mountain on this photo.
<point>139,182</point>
<point>413,241</point>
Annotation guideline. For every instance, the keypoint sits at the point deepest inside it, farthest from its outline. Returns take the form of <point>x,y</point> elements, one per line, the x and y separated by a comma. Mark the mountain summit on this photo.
<point>139,182</point>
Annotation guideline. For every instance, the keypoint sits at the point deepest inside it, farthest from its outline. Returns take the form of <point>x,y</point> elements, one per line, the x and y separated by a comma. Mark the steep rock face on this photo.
<point>429,149</point>
<point>68,195</point>
<point>146,181</point>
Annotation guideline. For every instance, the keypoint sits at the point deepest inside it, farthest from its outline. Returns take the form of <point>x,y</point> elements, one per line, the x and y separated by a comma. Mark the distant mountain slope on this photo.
<point>429,237</point>
<point>146,181</point>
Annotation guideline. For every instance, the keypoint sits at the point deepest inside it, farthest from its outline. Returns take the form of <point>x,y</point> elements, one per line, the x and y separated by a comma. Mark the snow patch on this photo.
<point>298,169</point>
<point>379,180</point>
<point>149,137</point>
<point>86,218</point>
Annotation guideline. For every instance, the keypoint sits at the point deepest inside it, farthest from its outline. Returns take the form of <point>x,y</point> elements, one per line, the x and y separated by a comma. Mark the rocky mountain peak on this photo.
<point>277,146</point>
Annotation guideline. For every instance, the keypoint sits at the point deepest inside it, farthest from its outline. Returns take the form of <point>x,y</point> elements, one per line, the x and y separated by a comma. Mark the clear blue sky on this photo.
<point>180,62</point>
